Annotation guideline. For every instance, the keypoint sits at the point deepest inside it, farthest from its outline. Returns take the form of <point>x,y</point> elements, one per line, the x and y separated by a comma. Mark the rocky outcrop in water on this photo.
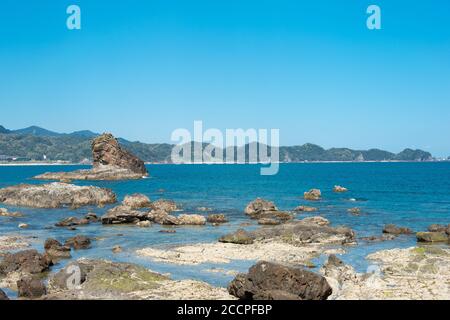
<point>271,281</point>
<point>110,162</point>
<point>78,242</point>
<point>432,237</point>
<point>339,189</point>
<point>306,209</point>
<point>238,237</point>
<point>191,219</point>
<point>122,215</point>
<point>5,213</point>
<point>216,218</point>
<point>56,195</point>
<point>313,195</point>
<point>261,209</point>
<point>55,250</point>
<point>137,201</point>
<point>395,230</point>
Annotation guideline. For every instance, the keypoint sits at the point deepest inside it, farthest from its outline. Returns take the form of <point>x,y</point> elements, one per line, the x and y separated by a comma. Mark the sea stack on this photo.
<point>106,151</point>
<point>110,162</point>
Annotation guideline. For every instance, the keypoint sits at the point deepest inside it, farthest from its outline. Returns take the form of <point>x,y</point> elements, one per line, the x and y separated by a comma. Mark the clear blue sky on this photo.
<point>141,69</point>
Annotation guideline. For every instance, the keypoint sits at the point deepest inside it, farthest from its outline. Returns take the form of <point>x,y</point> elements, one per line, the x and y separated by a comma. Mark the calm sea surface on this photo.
<point>413,195</point>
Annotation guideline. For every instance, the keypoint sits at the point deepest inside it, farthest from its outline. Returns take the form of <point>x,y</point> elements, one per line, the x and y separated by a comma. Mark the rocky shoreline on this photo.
<point>283,246</point>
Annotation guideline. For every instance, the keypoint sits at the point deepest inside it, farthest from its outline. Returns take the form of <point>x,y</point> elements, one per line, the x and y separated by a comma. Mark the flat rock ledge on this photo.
<point>101,279</point>
<point>55,195</point>
<point>101,173</point>
<point>294,243</point>
<point>417,273</point>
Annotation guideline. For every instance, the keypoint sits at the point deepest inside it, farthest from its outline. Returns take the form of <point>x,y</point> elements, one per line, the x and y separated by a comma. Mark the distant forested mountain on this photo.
<point>35,142</point>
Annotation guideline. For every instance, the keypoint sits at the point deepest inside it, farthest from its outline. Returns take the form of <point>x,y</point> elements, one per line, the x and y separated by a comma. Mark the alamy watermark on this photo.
<point>211,146</point>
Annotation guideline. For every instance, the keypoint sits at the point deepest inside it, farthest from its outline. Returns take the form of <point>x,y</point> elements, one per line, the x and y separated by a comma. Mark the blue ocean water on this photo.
<point>413,195</point>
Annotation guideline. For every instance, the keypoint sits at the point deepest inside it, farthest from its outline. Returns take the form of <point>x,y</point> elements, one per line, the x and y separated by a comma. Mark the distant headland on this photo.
<point>36,144</point>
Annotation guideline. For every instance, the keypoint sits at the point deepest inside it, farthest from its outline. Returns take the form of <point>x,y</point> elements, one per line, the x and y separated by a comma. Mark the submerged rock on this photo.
<point>305,209</point>
<point>432,237</point>
<point>29,287</point>
<point>28,261</point>
<point>5,213</point>
<point>354,211</point>
<point>216,218</point>
<point>313,195</point>
<point>136,201</point>
<point>271,281</point>
<point>78,242</point>
<point>110,162</point>
<point>339,189</point>
<point>56,195</point>
<point>238,237</point>
<point>393,229</point>
<point>191,219</point>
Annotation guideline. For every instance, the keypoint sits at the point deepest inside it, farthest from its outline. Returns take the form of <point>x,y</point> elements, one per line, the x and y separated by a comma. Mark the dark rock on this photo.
<point>106,151</point>
<point>122,215</point>
<point>3,295</point>
<point>29,287</point>
<point>432,237</point>
<point>167,231</point>
<point>238,237</point>
<point>384,237</point>
<point>78,242</point>
<point>54,249</point>
<point>271,281</point>
<point>393,229</point>
<point>354,211</point>
<point>71,221</point>
<point>27,261</point>
<point>91,217</point>
<point>216,218</point>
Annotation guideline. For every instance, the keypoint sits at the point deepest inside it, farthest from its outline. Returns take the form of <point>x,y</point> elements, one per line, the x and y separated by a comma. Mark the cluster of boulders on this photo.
<point>71,222</point>
<point>138,209</point>
<point>25,269</point>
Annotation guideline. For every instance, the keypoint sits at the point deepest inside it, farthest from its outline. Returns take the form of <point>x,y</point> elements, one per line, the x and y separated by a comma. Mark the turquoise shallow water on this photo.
<point>414,195</point>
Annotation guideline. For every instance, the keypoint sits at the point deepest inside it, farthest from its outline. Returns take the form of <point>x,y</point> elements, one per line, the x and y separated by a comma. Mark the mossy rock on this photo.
<point>432,237</point>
